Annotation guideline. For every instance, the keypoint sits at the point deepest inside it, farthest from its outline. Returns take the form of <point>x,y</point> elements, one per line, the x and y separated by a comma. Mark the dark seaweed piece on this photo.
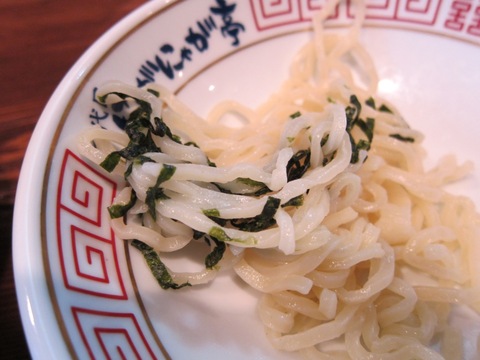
<point>157,267</point>
<point>214,257</point>
<point>298,165</point>
<point>155,192</point>
<point>295,201</point>
<point>262,221</point>
<point>117,210</point>
<point>402,138</point>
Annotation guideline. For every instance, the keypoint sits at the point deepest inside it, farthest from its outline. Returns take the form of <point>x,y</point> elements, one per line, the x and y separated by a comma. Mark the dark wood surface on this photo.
<point>39,41</point>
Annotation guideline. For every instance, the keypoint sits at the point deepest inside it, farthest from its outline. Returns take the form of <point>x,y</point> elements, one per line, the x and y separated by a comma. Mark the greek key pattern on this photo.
<point>115,335</point>
<point>457,18</point>
<point>464,17</point>
<point>276,13</point>
<point>86,245</point>
<point>100,316</point>
<point>409,11</point>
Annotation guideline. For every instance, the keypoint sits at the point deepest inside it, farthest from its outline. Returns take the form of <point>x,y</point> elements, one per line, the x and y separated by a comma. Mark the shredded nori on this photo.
<point>161,129</point>
<point>139,130</point>
<point>385,108</point>
<point>219,234</point>
<point>155,192</point>
<point>298,165</point>
<point>117,210</point>
<point>353,112</point>
<point>154,92</point>
<point>262,221</point>
<point>295,201</point>
<point>402,138</point>
<point>370,102</point>
<point>367,126</point>
<point>214,257</point>
<point>157,267</point>
<point>295,115</point>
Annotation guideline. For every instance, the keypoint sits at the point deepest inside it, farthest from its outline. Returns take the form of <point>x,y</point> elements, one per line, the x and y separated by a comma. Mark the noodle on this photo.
<point>321,197</point>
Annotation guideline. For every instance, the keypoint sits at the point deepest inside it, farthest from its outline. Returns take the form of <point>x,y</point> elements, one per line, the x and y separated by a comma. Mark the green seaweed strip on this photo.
<point>214,257</point>
<point>402,138</point>
<point>262,221</point>
<point>155,193</point>
<point>117,210</point>
<point>157,267</point>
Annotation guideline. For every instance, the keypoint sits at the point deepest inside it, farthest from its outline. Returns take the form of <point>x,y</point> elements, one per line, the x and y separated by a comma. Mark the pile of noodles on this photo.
<point>371,261</point>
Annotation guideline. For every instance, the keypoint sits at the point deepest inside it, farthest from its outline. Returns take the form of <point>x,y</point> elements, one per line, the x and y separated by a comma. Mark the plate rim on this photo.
<point>71,84</point>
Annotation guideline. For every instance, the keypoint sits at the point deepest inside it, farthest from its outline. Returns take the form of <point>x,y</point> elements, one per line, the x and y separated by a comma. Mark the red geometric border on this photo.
<point>268,14</point>
<point>123,332</point>
<point>91,253</point>
<point>457,18</point>
<point>464,16</point>
<point>409,11</point>
<point>87,248</point>
<point>276,13</point>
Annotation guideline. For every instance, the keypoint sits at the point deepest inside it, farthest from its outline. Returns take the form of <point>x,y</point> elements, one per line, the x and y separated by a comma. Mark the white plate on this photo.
<point>81,292</point>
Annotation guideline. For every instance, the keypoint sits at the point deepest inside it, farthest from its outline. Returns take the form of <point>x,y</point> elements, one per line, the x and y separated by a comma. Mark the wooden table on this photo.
<point>39,41</point>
